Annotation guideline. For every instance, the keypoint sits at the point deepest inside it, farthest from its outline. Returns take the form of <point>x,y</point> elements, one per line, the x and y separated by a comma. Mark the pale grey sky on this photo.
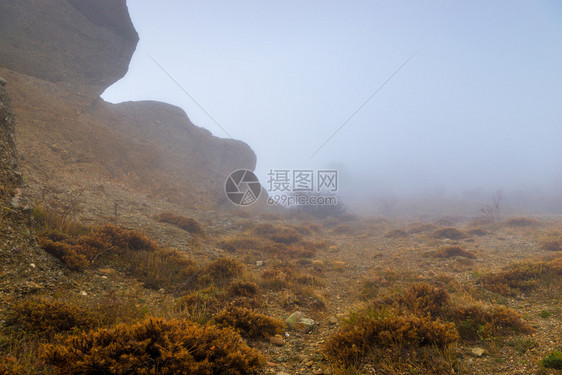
<point>479,105</point>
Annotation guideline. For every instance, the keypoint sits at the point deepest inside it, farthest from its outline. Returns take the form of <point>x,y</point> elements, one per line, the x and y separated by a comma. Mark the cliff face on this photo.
<point>58,56</point>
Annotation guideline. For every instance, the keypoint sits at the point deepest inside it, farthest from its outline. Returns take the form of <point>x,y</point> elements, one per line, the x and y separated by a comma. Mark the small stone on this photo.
<point>277,340</point>
<point>3,82</point>
<point>478,352</point>
<point>296,321</point>
<point>104,277</point>
<point>259,263</point>
<point>83,293</point>
<point>333,320</point>
<point>161,290</point>
<point>32,265</point>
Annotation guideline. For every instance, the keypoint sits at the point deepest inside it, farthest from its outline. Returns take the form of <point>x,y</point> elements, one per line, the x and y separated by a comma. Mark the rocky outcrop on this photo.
<point>58,56</point>
<point>85,42</point>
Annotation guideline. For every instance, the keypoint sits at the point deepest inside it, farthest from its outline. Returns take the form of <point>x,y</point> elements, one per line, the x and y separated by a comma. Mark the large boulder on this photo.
<point>87,43</point>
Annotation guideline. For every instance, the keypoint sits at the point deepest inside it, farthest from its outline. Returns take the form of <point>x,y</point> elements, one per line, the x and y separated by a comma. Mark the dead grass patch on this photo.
<point>186,223</point>
<point>449,233</point>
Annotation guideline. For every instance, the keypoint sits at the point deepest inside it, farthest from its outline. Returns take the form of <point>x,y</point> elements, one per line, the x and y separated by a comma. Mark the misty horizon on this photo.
<point>476,110</point>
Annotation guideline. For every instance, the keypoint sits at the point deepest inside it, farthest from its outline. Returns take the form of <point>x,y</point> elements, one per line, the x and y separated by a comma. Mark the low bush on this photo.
<point>44,318</point>
<point>480,322</point>
<point>396,233</point>
<point>249,323</point>
<point>453,251</point>
<point>155,346</point>
<point>186,223</point>
<point>79,253</point>
<point>449,233</point>
<point>524,277</point>
<point>391,341</point>
<point>221,271</point>
<point>521,222</point>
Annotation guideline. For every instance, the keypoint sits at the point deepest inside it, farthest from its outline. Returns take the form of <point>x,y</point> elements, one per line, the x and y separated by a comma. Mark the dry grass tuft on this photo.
<point>155,346</point>
<point>481,322</point>
<point>396,233</point>
<point>453,251</point>
<point>44,318</point>
<point>477,232</point>
<point>221,271</point>
<point>449,233</point>
<point>524,277</point>
<point>186,223</point>
<point>384,339</point>
<point>522,222</point>
<point>249,323</point>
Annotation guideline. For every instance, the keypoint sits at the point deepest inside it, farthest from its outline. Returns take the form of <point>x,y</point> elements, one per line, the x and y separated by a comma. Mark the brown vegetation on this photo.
<point>186,223</point>
<point>449,233</point>
<point>453,251</point>
<point>249,323</point>
<point>524,277</point>
<point>154,346</point>
<point>44,318</point>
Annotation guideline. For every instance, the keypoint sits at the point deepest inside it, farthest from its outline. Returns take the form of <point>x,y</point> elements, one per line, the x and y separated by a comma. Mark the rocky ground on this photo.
<point>364,259</point>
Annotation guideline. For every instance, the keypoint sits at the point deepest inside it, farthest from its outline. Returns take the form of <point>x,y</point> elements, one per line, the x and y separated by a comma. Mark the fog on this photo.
<point>477,109</point>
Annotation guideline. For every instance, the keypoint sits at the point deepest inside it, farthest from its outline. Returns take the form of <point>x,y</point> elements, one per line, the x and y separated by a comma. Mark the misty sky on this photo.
<point>479,105</point>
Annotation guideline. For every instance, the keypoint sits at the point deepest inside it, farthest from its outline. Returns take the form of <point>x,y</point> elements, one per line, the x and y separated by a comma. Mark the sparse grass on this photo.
<point>186,223</point>
<point>449,233</point>
<point>277,241</point>
<point>167,269</point>
<point>249,323</point>
<point>553,360</point>
<point>155,346</point>
<point>46,220</point>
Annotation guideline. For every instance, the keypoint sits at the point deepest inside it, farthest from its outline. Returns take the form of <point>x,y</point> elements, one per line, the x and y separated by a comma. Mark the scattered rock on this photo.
<point>333,320</point>
<point>32,265</point>
<point>83,293</point>
<point>297,322</point>
<point>478,352</point>
<point>259,263</point>
<point>277,340</point>
<point>2,82</point>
